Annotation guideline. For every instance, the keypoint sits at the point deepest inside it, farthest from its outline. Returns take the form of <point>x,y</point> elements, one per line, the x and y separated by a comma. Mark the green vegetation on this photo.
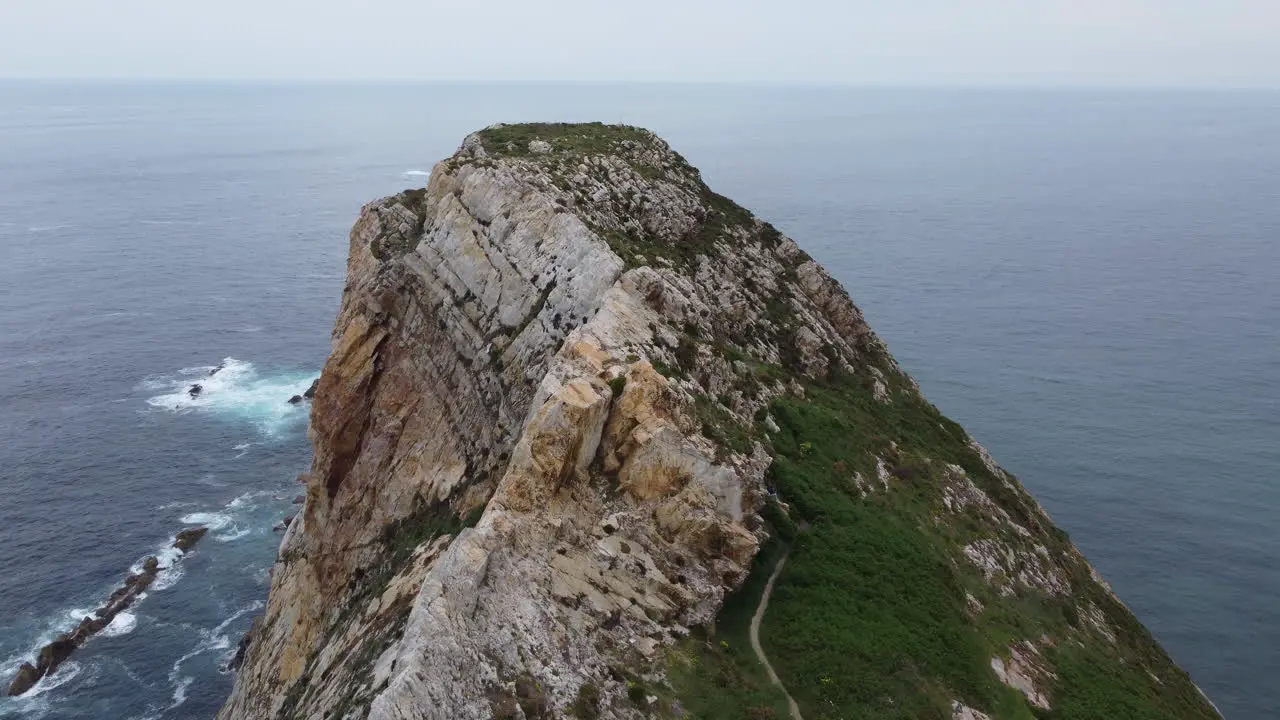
<point>714,673</point>
<point>403,537</point>
<point>574,138</point>
<point>570,141</point>
<point>617,385</point>
<point>587,704</point>
<point>719,425</point>
<point>870,619</point>
<point>389,245</point>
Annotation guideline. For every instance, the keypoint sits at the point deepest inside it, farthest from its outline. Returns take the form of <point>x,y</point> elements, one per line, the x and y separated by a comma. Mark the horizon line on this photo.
<point>743,83</point>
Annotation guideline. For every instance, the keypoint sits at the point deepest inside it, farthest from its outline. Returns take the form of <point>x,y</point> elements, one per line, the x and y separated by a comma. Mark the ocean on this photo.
<point>1089,281</point>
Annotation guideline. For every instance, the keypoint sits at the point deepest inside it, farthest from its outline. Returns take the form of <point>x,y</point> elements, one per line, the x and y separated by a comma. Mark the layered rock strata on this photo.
<point>543,443</point>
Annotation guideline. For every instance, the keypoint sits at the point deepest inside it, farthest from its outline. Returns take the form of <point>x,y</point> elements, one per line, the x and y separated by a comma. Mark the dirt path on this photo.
<point>755,637</point>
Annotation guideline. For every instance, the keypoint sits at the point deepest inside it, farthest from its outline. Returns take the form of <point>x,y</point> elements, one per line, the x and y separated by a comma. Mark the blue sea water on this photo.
<point>1088,281</point>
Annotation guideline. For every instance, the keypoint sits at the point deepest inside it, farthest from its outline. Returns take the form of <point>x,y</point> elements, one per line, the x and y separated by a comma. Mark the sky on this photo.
<point>1196,43</point>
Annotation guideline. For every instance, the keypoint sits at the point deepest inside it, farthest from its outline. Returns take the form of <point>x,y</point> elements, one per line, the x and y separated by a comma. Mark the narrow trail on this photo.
<point>755,637</point>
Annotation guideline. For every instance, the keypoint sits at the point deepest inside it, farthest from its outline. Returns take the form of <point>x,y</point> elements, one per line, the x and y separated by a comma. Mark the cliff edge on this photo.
<point>579,406</point>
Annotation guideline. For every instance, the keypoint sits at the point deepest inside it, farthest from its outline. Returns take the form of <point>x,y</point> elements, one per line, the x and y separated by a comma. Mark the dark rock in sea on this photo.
<point>295,399</point>
<point>52,655</point>
<point>26,679</point>
<point>311,391</point>
<point>56,652</point>
<point>195,390</point>
<point>284,524</point>
<point>186,539</point>
<point>215,371</point>
<point>242,649</point>
<point>299,499</point>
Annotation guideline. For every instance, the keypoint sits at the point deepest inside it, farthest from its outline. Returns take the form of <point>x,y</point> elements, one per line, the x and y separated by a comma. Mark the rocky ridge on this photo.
<point>53,654</point>
<point>567,381</point>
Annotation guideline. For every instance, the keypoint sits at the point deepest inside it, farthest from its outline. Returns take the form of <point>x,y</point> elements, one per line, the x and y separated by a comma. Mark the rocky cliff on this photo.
<point>578,409</point>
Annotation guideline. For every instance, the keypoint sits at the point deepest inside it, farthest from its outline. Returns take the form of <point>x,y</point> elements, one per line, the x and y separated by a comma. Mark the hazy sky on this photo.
<point>1021,42</point>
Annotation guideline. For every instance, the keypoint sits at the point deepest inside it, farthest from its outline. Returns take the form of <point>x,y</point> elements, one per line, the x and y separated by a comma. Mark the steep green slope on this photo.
<point>923,581</point>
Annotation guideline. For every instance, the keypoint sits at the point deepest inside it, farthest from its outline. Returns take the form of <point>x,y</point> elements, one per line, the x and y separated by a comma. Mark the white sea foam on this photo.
<point>212,520</point>
<point>173,570</point>
<point>248,500</point>
<point>65,673</point>
<point>121,624</point>
<point>168,578</point>
<point>236,533</point>
<point>238,391</point>
<point>255,605</point>
<point>416,173</point>
<point>180,691</point>
<point>210,641</point>
<point>75,615</point>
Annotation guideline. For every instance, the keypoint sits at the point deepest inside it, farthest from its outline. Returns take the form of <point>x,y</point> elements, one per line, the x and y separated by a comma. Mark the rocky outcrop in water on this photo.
<point>563,376</point>
<point>56,652</point>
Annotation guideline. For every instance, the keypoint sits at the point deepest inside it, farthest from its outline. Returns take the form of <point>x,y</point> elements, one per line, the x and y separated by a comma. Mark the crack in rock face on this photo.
<point>546,436</point>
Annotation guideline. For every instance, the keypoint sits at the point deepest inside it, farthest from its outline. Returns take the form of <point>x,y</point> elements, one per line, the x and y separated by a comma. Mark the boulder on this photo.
<point>295,399</point>
<point>52,655</point>
<point>195,390</point>
<point>26,679</point>
<point>186,539</point>
<point>311,391</point>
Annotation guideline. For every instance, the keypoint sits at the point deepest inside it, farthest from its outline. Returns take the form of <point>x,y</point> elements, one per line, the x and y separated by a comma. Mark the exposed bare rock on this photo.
<point>959,711</point>
<point>1024,671</point>
<point>187,539</point>
<point>543,434</point>
<point>56,652</point>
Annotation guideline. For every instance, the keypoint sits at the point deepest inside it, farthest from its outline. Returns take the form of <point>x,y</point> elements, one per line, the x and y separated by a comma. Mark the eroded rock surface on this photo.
<point>541,441</point>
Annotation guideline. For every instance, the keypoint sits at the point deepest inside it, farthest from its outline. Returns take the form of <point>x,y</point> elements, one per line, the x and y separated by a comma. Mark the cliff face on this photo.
<point>567,381</point>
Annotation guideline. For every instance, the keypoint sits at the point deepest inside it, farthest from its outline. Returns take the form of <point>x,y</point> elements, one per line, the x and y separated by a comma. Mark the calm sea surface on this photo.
<point>1088,281</point>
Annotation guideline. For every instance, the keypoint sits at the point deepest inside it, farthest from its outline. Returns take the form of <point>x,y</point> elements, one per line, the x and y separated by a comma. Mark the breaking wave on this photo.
<point>121,624</point>
<point>236,390</point>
